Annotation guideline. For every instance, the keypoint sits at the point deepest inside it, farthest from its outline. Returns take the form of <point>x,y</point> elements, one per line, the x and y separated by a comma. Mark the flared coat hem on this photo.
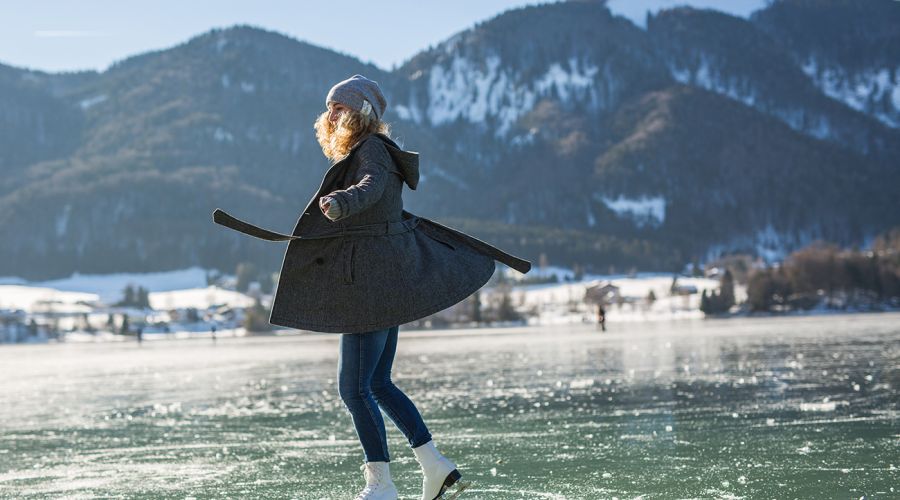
<point>379,325</point>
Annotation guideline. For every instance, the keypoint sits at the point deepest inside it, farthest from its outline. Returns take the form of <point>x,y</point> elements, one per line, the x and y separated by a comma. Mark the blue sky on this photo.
<point>62,35</point>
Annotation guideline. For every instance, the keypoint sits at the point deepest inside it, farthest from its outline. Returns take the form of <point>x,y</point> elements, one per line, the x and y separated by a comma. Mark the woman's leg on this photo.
<point>399,408</point>
<point>359,355</point>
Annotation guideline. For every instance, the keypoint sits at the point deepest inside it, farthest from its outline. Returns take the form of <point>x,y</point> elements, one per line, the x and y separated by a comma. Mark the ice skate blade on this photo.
<point>451,479</point>
<point>460,486</point>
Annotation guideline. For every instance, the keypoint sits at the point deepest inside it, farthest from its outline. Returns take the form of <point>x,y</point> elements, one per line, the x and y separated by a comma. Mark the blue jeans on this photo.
<point>364,383</point>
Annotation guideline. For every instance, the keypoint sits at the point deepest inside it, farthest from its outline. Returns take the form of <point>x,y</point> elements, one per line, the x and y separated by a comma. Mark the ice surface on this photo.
<point>532,412</point>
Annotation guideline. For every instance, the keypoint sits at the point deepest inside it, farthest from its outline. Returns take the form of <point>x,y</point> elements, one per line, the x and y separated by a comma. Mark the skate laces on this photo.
<point>373,474</point>
<point>373,481</point>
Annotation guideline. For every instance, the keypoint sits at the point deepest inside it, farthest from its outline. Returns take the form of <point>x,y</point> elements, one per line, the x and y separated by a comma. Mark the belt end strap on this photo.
<point>225,219</point>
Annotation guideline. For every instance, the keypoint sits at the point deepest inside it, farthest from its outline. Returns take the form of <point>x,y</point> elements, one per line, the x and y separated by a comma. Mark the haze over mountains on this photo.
<point>559,129</point>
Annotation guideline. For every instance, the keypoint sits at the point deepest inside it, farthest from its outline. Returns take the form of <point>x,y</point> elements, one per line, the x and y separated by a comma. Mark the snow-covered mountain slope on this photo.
<point>491,76</point>
<point>850,49</point>
<point>731,56</point>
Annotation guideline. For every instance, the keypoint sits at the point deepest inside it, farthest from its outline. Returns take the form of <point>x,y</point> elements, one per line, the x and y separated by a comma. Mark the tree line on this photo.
<point>825,272</point>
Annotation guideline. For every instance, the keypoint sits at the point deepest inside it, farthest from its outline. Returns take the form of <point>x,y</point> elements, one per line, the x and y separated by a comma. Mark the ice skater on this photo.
<point>601,316</point>
<point>360,265</point>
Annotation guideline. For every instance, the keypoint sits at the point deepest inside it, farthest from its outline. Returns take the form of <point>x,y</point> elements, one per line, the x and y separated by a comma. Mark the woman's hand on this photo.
<point>329,207</point>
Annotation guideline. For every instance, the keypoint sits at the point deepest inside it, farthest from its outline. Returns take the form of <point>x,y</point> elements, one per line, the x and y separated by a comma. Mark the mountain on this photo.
<point>559,129</point>
<point>224,119</point>
<point>850,49</point>
<point>771,190</point>
<point>734,57</point>
<point>36,124</point>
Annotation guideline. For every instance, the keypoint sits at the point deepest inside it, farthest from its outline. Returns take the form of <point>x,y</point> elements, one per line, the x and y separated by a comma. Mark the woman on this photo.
<point>360,265</point>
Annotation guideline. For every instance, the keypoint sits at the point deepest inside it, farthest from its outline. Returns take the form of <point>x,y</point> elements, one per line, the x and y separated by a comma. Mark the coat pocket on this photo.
<point>440,238</point>
<point>346,260</point>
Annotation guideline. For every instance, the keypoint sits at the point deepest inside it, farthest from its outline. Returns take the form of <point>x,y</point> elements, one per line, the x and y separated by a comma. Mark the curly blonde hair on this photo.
<point>338,138</point>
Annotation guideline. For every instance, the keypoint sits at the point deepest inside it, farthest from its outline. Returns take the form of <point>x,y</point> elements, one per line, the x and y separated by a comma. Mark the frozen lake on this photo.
<point>742,408</point>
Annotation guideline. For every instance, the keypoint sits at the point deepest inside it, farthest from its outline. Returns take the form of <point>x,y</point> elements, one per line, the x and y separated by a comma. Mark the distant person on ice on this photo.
<point>360,265</point>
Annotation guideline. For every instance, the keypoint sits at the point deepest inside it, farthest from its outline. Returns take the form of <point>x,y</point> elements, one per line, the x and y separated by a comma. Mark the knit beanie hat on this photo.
<point>359,94</point>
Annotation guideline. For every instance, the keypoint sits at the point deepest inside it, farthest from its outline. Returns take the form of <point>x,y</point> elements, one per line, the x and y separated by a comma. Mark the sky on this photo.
<point>68,35</point>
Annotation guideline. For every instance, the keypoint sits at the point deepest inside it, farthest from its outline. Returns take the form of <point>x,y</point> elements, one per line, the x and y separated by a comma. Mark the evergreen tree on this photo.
<point>256,318</point>
<point>726,291</point>
<point>246,272</point>
<point>143,298</point>
<point>266,283</point>
<point>128,300</point>
<point>476,306</point>
<point>506,310</point>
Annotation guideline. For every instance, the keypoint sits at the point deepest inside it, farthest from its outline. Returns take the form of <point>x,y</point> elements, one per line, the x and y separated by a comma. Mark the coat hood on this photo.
<point>406,161</point>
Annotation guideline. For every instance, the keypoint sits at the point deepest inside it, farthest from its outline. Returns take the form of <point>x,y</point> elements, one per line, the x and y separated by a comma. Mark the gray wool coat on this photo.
<point>377,265</point>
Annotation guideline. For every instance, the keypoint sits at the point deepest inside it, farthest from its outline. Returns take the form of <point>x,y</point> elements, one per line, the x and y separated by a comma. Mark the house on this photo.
<point>603,292</point>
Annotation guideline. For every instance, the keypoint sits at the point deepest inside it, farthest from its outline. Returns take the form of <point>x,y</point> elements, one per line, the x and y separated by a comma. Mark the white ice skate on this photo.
<point>440,473</point>
<point>379,485</point>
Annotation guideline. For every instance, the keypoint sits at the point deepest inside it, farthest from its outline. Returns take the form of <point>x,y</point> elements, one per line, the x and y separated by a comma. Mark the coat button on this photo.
<point>320,260</point>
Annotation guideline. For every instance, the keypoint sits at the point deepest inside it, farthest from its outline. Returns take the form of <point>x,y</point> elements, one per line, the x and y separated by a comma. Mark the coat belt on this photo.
<point>378,229</point>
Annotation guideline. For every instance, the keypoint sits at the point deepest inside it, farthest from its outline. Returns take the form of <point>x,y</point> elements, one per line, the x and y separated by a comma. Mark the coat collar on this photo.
<point>407,162</point>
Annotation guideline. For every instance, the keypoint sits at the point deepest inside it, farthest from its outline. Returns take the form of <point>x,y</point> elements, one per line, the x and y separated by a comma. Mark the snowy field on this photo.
<point>108,287</point>
<point>545,304</point>
<point>798,407</point>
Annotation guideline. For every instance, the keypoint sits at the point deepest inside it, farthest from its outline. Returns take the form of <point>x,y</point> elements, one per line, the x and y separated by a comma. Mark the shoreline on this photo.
<point>81,338</point>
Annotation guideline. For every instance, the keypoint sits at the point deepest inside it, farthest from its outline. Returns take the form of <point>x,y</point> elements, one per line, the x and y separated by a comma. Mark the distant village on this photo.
<point>818,278</point>
<point>228,307</point>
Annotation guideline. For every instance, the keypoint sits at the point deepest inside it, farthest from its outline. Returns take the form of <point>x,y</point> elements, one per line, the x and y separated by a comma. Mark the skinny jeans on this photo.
<point>365,386</point>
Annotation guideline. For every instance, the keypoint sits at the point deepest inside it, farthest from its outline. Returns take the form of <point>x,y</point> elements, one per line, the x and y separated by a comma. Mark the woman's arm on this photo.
<point>368,186</point>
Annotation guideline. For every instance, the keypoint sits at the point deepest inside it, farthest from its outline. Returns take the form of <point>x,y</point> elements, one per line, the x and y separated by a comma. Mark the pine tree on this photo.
<point>129,296</point>
<point>266,283</point>
<point>726,291</point>
<point>476,306</point>
<point>246,272</point>
<point>143,298</point>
